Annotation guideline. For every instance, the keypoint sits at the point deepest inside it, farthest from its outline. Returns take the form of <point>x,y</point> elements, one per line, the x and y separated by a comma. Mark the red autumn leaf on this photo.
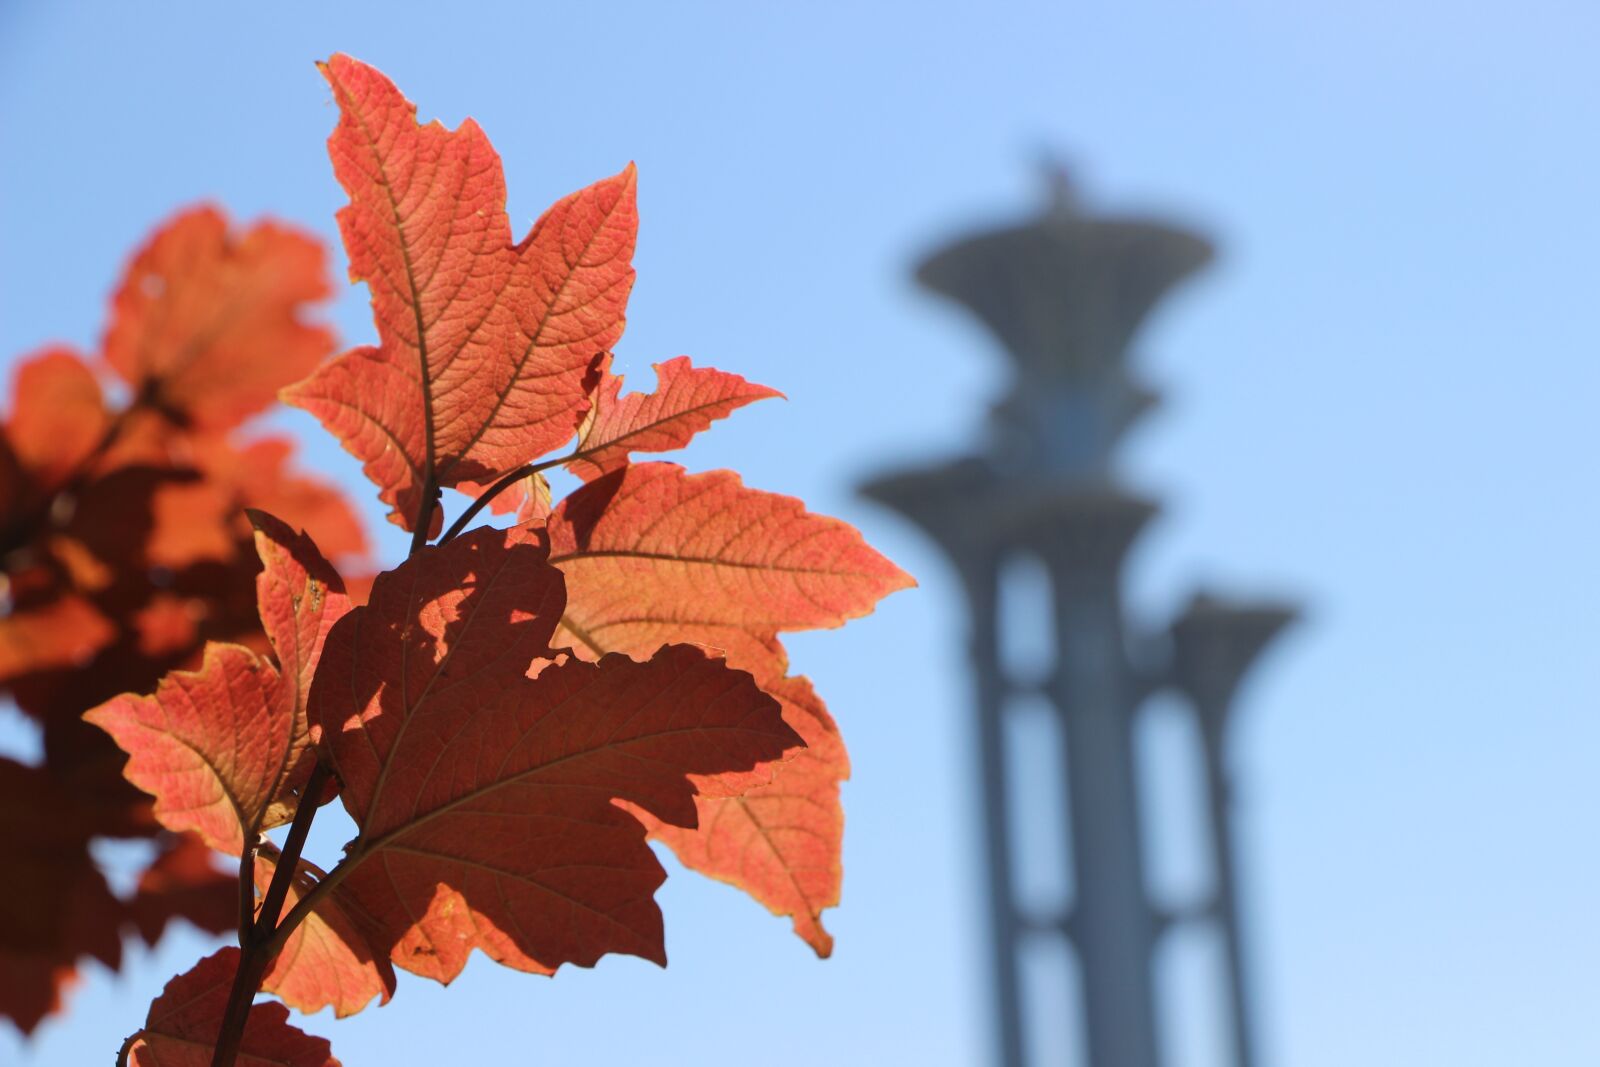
<point>56,907</point>
<point>687,399</point>
<point>130,518</point>
<point>191,523</point>
<point>184,883</point>
<point>485,797</point>
<point>182,1026</point>
<point>58,415</point>
<point>63,632</point>
<point>225,748</point>
<point>13,484</point>
<point>207,322</point>
<point>197,515</point>
<point>33,982</point>
<point>487,348</point>
<point>266,481</point>
<point>653,555</point>
<point>779,842</point>
<point>32,987</point>
<point>122,550</point>
<point>166,625</point>
<point>504,789</point>
<point>332,959</point>
<point>536,500</point>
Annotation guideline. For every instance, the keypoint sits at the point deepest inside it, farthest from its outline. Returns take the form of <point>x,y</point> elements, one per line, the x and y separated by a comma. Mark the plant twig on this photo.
<point>501,484</point>
<point>278,891</point>
<point>430,501</point>
<point>264,940</point>
<point>247,889</point>
<point>308,903</point>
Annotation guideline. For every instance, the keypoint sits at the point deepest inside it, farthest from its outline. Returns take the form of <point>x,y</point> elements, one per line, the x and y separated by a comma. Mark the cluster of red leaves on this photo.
<point>514,713</point>
<point>123,551</point>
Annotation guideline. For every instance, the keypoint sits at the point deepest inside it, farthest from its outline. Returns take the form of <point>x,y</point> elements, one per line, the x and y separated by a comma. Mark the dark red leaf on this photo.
<point>182,1027</point>
<point>485,797</point>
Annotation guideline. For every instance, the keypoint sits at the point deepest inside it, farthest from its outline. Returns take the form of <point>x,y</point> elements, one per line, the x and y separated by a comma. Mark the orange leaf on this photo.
<point>484,796</point>
<point>686,400</point>
<point>265,480</point>
<point>536,500</point>
<point>207,321</point>
<point>58,415</point>
<point>652,554</point>
<point>330,959</point>
<point>63,632</point>
<point>487,349</point>
<point>195,515</point>
<point>779,842</point>
<point>181,1029</point>
<point>190,523</point>
<point>60,633</point>
<point>225,748</point>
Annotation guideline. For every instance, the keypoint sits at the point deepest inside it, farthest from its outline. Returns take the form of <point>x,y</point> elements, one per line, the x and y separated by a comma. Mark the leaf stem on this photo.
<point>265,936</point>
<point>501,484</point>
<point>308,903</point>
<point>430,500</point>
<point>247,889</point>
<point>278,891</point>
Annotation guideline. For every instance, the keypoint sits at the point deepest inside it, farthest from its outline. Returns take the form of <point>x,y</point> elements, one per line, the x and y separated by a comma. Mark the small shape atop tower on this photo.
<point>1065,294</point>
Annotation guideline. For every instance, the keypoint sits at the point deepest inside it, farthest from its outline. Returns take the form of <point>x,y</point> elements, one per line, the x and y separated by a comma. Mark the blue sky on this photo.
<point>1381,401</point>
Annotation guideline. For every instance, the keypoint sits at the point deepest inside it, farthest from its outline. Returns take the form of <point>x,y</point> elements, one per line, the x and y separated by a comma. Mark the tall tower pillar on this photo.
<point>1065,295</point>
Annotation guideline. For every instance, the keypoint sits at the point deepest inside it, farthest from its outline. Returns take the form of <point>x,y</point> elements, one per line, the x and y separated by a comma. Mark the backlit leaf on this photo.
<point>779,842</point>
<point>485,797</point>
<point>182,1026</point>
<point>56,907</point>
<point>208,321</point>
<point>58,415</point>
<point>488,349</point>
<point>224,749</point>
<point>63,632</point>
<point>330,959</point>
<point>686,400</point>
<point>653,555</point>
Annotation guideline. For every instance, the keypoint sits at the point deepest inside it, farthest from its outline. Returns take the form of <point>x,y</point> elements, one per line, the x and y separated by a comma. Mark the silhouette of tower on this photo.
<point>1065,294</point>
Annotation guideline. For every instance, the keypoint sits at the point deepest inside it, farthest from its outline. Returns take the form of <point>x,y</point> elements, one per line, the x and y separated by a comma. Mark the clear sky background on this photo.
<point>1381,401</point>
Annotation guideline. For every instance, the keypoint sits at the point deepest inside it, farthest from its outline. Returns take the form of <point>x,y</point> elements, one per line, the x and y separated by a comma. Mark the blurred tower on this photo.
<point>1065,295</point>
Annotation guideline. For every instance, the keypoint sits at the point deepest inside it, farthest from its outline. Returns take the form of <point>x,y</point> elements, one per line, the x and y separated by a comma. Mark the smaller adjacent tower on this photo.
<point>1065,295</point>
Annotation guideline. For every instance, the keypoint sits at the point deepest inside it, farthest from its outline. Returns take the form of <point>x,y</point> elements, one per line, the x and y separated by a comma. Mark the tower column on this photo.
<point>980,574</point>
<point>1214,644</point>
<point>1110,916</point>
<point>1084,539</point>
